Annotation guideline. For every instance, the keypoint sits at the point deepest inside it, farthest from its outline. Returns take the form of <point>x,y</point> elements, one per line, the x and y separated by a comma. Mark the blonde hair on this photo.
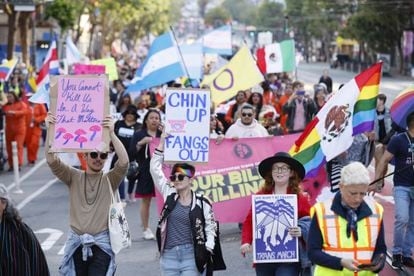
<point>355,173</point>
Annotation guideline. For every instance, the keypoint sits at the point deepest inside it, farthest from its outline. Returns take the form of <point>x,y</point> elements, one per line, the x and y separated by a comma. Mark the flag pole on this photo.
<point>181,55</point>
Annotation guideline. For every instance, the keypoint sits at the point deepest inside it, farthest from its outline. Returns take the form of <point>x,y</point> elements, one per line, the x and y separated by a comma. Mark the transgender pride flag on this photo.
<point>350,111</point>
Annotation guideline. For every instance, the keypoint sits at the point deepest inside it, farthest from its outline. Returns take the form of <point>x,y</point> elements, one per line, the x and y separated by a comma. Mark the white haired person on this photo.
<point>346,234</point>
<point>20,251</point>
<point>186,228</point>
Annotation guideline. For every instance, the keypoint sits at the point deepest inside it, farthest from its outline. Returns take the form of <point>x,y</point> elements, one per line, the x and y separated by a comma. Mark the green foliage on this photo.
<point>64,11</point>
<point>379,24</point>
<point>243,11</point>
<point>216,17</point>
<point>132,19</point>
<point>270,15</point>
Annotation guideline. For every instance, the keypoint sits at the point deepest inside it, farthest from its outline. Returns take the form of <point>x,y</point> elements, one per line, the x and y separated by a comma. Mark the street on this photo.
<point>44,203</point>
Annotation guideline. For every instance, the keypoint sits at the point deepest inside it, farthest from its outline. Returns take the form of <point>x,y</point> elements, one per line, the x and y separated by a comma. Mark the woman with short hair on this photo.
<point>186,228</point>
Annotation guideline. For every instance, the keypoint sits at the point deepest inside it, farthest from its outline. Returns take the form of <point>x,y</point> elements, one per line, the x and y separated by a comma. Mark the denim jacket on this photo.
<point>67,267</point>
<point>304,224</point>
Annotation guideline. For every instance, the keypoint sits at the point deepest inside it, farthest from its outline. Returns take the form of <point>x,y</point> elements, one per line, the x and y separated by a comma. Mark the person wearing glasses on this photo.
<point>247,126</point>
<point>282,175</point>
<point>346,235</point>
<point>20,251</point>
<point>186,228</point>
<point>87,249</point>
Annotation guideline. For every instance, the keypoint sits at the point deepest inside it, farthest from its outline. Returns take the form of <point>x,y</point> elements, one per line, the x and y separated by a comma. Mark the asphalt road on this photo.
<point>44,203</point>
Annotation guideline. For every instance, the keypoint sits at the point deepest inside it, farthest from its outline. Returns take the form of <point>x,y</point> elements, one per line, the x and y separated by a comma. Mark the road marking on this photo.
<point>54,235</point>
<point>29,173</point>
<point>35,194</point>
<point>62,250</point>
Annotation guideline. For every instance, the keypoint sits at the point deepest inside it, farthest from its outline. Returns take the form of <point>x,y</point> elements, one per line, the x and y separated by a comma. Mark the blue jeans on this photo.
<point>179,261</point>
<point>275,269</point>
<point>404,221</point>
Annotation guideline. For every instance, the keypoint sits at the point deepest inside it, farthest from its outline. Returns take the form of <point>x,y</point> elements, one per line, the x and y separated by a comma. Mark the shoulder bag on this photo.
<point>117,224</point>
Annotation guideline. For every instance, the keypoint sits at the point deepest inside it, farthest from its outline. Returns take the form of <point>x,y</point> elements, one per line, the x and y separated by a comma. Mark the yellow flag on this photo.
<point>240,73</point>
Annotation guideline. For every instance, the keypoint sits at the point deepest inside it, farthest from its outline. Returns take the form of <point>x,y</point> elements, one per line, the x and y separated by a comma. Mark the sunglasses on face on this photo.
<point>177,177</point>
<point>247,114</point>
<point>102,155</point>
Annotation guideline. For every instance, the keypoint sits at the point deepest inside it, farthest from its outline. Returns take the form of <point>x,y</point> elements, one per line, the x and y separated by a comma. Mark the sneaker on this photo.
<point>132,198</point>
<point>397,260</point>
<point>408,261</point>
<point>148,235</point>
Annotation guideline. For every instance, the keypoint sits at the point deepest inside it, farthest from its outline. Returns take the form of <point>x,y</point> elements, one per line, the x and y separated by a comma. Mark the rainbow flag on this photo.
<point>348,112</point>
<point>6,69</point>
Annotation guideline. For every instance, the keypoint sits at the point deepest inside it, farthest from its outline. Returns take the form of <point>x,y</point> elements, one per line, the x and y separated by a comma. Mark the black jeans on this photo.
<point>96,265</point>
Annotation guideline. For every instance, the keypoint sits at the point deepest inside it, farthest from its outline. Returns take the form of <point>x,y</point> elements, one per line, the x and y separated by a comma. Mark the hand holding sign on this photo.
<point>188,119</point>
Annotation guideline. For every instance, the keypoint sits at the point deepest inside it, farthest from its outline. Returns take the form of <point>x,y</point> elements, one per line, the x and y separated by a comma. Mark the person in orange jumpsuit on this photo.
<point>37,114</point>
<point>15,111</point>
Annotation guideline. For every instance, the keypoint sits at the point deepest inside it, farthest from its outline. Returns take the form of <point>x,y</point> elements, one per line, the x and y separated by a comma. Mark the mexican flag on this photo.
<point>277,57</point>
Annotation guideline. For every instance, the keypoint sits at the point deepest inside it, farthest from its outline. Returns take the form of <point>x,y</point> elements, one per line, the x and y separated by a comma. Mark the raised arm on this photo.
<point>60,169</point>
<point>156,169</point>
<point>50,156</point>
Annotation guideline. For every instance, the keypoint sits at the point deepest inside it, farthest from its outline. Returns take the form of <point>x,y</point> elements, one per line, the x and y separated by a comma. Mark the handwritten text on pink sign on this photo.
<point>79,112</point>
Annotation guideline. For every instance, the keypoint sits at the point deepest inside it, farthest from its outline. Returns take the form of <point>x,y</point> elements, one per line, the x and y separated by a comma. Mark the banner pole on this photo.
<point>181,55</point>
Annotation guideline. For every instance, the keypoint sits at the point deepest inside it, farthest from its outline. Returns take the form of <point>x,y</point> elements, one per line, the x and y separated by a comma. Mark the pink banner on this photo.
<point>85,69</point>
<point>231,175</point>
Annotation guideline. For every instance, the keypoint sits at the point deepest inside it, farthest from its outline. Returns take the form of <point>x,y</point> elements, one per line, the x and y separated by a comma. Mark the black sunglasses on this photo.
<point>179,177</point>
<point>247,114</point>
<point>102,155</point>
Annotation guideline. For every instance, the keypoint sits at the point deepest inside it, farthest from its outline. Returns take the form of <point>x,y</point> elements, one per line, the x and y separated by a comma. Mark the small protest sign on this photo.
<point>188,123</point>
<point>80,103</point>
<point>87,69</point>
<point>273,215</point>
<point>110,67</point>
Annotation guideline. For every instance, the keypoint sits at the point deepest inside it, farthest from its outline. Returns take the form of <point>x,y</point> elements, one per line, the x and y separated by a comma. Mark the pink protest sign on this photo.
<point>80,104</point>
<point>85,69</point>
<point>231,177</point>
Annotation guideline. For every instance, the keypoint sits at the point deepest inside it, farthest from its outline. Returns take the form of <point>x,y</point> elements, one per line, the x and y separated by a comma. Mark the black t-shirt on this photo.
<point>125,132</point>
<point>400,147</point>
<point>381,124</point>
<point>143,156</point>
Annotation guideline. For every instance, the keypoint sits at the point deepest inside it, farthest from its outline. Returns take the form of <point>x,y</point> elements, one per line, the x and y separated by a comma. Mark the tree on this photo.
<point>64,13</point>
<point>318,19</point>
<point>270,15</point>
<point>379,24</point>
<point>12,15</point>
<point>243,11</point>
<point>202,6</point>
<point>216,17</point>
<point>23,29</point>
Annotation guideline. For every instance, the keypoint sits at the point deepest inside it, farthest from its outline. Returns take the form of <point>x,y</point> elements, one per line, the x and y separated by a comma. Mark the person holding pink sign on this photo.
<point>88,249</point>
<point>282,175</point>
